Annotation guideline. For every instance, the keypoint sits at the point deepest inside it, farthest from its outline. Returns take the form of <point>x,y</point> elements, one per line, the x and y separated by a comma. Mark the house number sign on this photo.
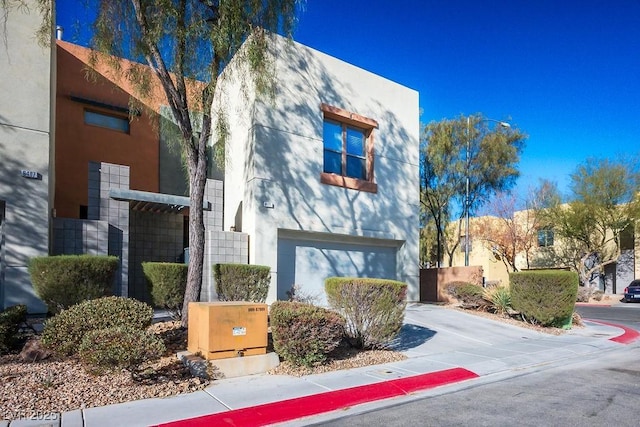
<point>30,174</point>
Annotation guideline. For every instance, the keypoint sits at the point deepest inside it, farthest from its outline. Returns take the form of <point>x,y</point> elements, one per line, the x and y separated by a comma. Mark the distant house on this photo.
<point>544,243</point>
<point>324,177</point>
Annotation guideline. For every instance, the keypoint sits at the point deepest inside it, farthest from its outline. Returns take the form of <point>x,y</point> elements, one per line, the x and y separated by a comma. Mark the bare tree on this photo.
<point>510,231</point>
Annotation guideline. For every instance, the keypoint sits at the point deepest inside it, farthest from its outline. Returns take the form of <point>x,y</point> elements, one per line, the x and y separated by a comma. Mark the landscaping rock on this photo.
<point>33,351</point>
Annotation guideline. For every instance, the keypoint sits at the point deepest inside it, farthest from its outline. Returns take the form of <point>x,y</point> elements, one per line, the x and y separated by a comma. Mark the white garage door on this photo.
<point>307,263</point>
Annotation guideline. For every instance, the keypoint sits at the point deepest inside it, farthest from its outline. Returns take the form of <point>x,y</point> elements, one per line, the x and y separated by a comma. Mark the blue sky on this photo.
<point>566,72</point>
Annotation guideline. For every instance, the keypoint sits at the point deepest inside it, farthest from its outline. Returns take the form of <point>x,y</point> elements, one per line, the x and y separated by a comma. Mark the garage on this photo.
<point>307,260</point>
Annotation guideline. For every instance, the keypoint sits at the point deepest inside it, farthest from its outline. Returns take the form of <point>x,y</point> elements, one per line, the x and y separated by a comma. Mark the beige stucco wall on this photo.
<point>276,155</point>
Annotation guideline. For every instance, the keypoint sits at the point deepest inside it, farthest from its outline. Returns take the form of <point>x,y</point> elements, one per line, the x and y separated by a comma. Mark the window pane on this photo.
<point>106,121</point>
<point>356,167</point>
<point>332,135</point>
<point>355,142</point>
<point>545,238</point>
<point>549,237</point>
<point>332,162</point>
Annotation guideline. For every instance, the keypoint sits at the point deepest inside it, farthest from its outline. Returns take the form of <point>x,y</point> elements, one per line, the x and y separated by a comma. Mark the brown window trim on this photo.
<point>348,182</point>
<point>348,117</point>
<point>361,122</point>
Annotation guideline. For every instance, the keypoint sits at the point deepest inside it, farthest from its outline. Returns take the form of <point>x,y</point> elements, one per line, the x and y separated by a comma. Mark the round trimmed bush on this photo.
<point>546,297</point>
<point>119,347</point>
<point>64,332</point>
<point>167,283</point>
<point>65,280</point>
<point>467,294</point>
<point>242,282</point>
<point>304,334</point>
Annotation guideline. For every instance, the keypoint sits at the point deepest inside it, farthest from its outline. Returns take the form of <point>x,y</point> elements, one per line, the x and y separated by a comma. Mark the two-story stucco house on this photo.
<point>324,176</point>
<point>322,180</point>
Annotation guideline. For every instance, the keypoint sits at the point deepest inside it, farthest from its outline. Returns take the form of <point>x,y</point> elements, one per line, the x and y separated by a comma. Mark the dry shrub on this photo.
<point>469,295</point>
<point>373,308</point>
<point>304,334</point>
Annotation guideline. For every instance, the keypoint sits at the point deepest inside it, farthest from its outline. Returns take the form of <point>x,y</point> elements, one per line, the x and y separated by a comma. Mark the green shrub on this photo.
<point>64,332</point>
<point>119,347</point>
<point>242,282</point>
<point>499,298</point>
<point>373,308</point>
<point>304,334</point>
<point>65,280</point>
<point>10,320</point>
<point>467,294</point>
<point>167,283</point>
<point>452,287</point>
<point>545,297</point>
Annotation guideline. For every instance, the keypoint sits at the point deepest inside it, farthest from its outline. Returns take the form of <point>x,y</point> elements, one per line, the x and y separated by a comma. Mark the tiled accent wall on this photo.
<point>80,236</point>
<point>213,192</point>
<point>135,236</point>
<point>221,247</point>
<point>153,237</point>
<point>102,177</point>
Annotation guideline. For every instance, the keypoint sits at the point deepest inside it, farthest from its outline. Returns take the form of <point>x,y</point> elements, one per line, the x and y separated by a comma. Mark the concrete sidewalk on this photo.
<point>443,346</point>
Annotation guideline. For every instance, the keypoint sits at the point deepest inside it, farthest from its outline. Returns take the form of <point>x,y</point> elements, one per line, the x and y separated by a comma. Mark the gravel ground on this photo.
<point>57,385</point>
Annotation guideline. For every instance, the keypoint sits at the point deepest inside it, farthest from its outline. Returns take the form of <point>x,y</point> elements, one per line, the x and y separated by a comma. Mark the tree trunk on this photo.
<point>197,181</point>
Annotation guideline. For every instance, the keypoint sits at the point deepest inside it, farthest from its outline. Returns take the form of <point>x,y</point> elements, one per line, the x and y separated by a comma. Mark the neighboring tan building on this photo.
<point>25,150</point>
<point>324,178</point>
<point>616,276</point>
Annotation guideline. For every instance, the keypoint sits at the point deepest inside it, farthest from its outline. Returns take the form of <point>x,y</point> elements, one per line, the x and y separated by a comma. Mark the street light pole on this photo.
<point>467,200</point>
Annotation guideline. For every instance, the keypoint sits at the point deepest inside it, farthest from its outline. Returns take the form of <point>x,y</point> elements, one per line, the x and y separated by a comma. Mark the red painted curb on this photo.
<point>300,407</point>
<point>628,336</point>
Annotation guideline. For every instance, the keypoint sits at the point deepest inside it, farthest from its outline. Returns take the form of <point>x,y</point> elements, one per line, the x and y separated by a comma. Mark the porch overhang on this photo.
<point>145,201</point>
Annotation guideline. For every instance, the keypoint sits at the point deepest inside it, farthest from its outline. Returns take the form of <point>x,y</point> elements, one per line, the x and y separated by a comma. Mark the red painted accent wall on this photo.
<point>77,143</point>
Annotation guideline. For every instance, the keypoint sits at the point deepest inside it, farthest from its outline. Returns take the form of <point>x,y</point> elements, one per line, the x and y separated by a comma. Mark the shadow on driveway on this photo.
<point>411,336</point>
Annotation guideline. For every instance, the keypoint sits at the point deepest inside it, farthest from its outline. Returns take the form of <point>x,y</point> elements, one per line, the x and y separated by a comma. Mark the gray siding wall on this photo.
<point>25,113</point>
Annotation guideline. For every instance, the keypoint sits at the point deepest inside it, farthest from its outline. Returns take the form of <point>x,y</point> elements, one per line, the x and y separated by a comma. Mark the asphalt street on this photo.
<point>594,392</point>
<point>600,391</point>
<point>625,314</point>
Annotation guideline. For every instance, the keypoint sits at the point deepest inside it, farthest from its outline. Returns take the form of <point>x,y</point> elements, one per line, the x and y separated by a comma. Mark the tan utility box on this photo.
<point>221,330</point>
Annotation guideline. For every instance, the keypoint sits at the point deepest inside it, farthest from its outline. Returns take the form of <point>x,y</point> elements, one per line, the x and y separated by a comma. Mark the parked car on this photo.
<point>632,292</point>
